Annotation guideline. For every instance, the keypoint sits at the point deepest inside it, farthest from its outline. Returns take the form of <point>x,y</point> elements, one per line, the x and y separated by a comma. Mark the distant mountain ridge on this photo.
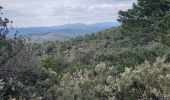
<point>65,31</point>
<point>68,28</point>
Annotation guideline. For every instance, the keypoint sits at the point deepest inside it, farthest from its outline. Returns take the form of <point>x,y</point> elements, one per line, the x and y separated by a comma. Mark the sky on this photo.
<point>36,13</point>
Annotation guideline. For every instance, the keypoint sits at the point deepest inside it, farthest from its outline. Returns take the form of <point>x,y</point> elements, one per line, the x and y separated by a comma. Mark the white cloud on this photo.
<point>101,6</point>
<point>106,6</point>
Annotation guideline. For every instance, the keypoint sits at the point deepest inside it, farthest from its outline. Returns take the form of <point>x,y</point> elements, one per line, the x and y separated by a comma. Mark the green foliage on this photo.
<point>55,62</point>
<point>148,20</point>
<point>86,84</point>
<point>48,61</point>
<point>146,81</point>
<point>20,74</point>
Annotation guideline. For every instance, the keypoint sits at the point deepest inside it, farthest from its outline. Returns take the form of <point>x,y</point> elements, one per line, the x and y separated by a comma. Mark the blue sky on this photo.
<point>26,13</point>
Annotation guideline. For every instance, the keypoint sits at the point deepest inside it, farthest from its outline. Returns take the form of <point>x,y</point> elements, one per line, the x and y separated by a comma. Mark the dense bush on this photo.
<point>145,81</point>
<point>21,75</point>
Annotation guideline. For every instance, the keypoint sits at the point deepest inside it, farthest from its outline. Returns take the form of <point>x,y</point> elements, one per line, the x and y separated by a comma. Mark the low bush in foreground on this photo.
<point>146,81</point>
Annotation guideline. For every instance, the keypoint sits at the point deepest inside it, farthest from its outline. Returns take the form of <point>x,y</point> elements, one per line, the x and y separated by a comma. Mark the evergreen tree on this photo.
<point>148,20</point>
<point>3,26</point>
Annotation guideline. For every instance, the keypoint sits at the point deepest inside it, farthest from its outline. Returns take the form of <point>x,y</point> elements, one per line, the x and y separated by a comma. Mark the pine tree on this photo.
<point>148,20</point>
<point>3,26</point>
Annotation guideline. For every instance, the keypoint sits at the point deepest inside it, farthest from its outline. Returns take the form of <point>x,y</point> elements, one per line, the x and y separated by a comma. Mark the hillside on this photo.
<point>108,46</point>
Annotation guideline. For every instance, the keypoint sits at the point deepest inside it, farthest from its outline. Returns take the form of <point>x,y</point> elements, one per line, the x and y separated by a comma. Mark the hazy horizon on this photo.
<point>116,22</point>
